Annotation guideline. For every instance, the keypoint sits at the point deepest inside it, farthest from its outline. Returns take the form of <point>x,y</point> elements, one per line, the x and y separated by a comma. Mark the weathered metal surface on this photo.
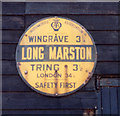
<point>56,56</point>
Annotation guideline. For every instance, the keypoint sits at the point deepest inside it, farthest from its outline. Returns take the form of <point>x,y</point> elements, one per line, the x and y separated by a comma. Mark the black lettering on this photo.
<point>50,38</point>
<point>66,37</point>
<point>32,66</point>
<point>78,40</point>
<point>39,66</point>
<point>49,67</point>
<point>44,40</point>
<point>75,67</point>
<point>41,85</point>
<point>39,39</point>
<point>31,38</point>
<point>36,85</point>
<point>61,39</point>
<point>56,39</point>
<point>56,67</point>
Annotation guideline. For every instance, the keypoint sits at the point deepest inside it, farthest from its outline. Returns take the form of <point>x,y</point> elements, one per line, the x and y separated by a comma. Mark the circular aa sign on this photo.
<point>56,56</point>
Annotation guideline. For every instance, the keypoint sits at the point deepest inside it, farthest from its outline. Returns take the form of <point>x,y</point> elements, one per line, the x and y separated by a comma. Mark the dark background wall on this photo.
<point>100,19</point>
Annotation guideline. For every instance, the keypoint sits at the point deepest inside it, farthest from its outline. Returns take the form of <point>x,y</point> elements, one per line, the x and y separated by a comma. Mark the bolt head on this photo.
<point>26,72</point>
<point>66,66</point>
<point>18,63</point>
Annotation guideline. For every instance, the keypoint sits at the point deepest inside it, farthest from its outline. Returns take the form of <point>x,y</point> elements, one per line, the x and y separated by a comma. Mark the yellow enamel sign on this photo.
<point>56,56</point>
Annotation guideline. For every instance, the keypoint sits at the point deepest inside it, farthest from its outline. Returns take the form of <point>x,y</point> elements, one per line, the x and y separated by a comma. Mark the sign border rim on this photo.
<point>68,93</point>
